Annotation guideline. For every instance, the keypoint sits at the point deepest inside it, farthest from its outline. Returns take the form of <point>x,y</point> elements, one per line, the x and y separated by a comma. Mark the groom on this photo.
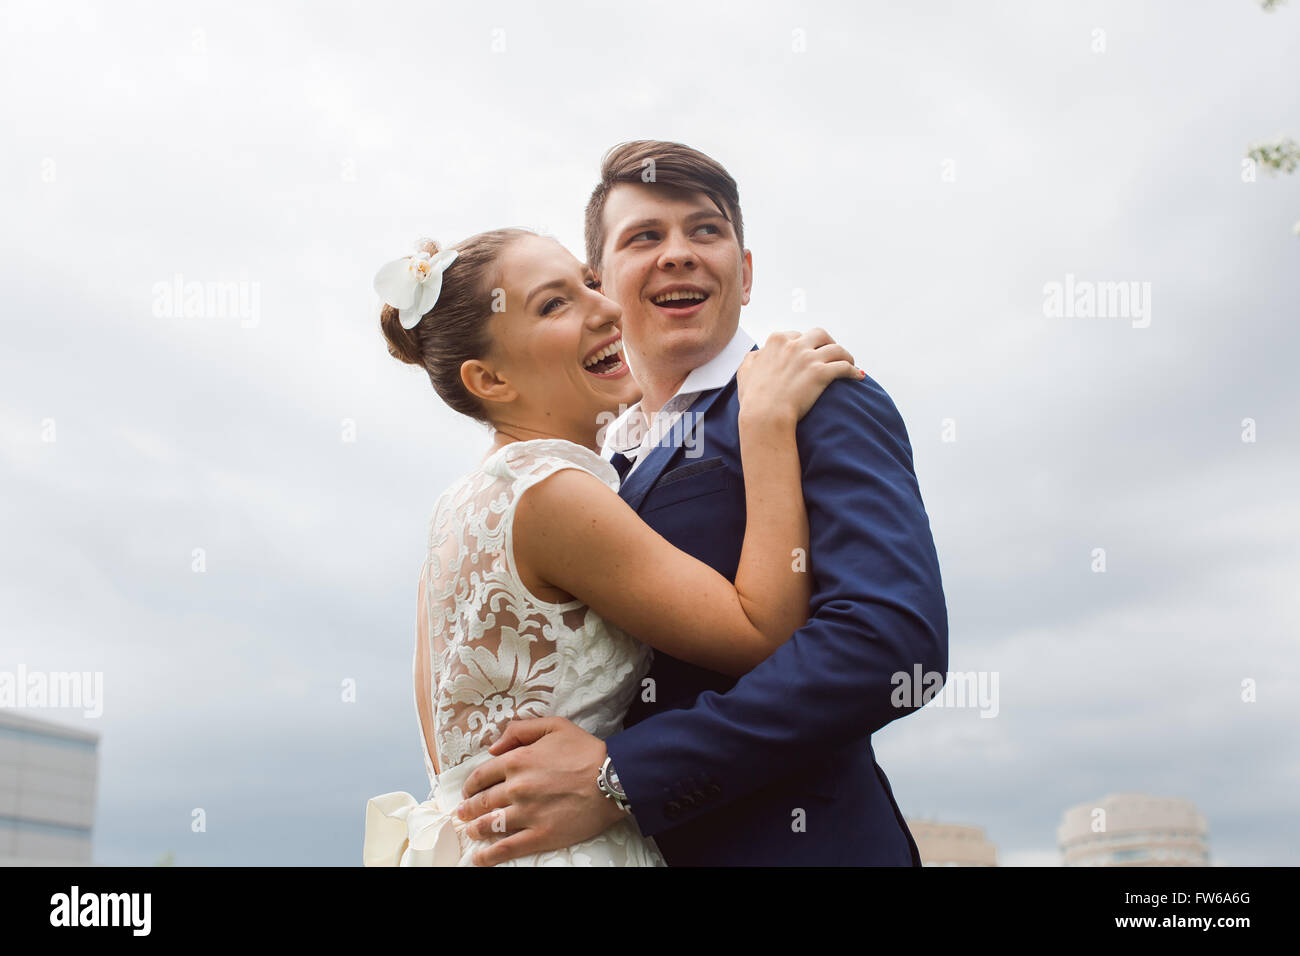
<point>775,768</point>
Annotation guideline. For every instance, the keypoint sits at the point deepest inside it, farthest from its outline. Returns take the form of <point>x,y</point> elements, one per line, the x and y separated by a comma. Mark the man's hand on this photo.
<point>538,792</point>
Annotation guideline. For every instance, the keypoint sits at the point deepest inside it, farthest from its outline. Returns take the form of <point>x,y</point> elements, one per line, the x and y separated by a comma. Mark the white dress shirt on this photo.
<point>630,433</point>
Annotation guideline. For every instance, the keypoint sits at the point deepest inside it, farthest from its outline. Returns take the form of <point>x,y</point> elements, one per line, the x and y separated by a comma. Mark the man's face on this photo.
<point>672,261</point>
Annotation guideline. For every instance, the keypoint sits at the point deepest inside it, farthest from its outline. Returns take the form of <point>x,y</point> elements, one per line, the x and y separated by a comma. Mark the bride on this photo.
<point>513,331</point>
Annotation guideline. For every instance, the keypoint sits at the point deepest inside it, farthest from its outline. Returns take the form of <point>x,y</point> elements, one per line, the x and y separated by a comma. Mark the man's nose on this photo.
<point>676,252</point>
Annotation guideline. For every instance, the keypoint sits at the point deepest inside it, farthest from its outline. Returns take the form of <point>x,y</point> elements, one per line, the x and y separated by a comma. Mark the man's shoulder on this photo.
<point>846,403</point>
<point>846,408</point>
<point>853,413</point>
<point>858,398</point>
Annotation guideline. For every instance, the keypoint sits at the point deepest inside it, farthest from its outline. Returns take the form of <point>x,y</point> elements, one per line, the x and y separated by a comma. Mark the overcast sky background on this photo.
<point>297,147</point>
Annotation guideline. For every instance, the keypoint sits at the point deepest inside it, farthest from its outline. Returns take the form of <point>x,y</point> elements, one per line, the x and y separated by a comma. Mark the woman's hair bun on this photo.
<point>401,343</point>
<point>456,330</point>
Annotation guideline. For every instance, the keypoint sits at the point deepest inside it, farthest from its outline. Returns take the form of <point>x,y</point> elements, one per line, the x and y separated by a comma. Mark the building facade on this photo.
<point>48,776</point>
<point>1134,829</point>
<point>952,844</point>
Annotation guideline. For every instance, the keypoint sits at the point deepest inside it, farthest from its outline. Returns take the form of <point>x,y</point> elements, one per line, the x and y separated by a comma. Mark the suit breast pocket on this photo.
<point>692,480</point>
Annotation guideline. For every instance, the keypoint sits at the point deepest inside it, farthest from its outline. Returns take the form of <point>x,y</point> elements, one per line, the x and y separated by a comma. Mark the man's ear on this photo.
<point>484,383</point>
<point>746,276</point>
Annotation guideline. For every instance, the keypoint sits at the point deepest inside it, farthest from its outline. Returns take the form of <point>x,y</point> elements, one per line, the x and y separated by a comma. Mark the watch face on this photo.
<point>614,784</point>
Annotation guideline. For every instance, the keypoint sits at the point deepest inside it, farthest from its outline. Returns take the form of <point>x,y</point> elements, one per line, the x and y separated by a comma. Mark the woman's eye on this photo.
<point>593,284</point>
<point>549,307</point>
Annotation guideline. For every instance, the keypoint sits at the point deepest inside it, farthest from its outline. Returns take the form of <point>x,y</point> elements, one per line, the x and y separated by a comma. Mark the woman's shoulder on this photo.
<point>540,457</point>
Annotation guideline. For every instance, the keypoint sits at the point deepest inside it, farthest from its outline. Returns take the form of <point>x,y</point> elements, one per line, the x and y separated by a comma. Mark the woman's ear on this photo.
<point>484,383</point>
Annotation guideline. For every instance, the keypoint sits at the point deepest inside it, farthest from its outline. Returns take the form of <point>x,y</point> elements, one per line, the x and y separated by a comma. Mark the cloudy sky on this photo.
<point>916,173</point>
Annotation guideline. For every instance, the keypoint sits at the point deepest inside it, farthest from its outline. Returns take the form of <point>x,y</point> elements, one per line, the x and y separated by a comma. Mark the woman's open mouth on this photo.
<point>606,362</point>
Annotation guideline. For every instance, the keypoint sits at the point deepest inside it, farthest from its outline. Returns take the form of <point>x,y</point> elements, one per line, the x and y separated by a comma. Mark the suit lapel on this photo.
<point>646,476</point>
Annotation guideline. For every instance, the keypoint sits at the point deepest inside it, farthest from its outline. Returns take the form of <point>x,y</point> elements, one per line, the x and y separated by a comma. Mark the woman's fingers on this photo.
<point>817,337</point>
<point>795,368</point>
<point>834,352</point>
<point>834,370</point>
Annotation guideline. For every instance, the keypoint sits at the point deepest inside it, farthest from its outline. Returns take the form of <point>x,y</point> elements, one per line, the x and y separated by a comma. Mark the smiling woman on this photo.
<point>518,337</point>
<point>554,361</point>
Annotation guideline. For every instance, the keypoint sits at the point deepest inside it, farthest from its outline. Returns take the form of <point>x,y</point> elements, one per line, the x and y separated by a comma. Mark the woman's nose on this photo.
<point>606,311</point>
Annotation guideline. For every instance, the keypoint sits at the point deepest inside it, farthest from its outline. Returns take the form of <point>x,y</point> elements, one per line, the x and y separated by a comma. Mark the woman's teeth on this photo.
<point>613,348</point>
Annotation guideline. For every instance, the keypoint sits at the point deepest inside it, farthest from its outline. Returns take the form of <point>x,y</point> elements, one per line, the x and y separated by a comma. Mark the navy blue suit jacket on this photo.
<point>717,769</point>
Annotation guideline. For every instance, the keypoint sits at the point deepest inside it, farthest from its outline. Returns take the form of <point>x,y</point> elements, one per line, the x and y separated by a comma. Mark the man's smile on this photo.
<point>680,300</point>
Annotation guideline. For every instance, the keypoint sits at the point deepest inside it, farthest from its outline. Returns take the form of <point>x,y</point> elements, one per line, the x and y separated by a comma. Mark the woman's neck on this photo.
<point>507,433</point>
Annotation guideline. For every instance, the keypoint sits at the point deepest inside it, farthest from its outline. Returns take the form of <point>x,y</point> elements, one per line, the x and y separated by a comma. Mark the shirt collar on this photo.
<point>626,432</point>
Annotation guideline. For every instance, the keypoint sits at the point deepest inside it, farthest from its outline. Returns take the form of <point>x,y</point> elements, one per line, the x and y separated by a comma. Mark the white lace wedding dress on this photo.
<point>498,653</point>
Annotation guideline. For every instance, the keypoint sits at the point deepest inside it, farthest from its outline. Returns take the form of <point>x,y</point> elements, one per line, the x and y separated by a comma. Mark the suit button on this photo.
<point>713,790</point>
<point>688,801</point>
<point>672,810</point>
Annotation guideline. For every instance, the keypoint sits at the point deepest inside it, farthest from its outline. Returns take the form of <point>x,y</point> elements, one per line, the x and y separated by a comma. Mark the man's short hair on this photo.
<point>673,166</point>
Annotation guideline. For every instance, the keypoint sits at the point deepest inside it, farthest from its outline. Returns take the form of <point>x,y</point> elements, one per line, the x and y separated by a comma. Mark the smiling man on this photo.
<point>776,768</point>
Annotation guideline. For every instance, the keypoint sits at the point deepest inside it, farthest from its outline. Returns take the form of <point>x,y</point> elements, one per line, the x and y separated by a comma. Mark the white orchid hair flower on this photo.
<point>412,284</point>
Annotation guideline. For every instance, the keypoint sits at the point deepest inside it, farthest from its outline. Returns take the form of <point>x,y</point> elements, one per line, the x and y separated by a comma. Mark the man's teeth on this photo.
<point>613,348</point>
<point>679,296</point>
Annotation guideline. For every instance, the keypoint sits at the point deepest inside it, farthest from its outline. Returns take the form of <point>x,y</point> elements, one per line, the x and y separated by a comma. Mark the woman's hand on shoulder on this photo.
<point>783,380</point>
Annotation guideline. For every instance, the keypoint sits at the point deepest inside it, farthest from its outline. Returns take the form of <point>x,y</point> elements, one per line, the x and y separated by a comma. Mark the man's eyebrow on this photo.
<point>706,214</point>
<point>698,214</point>
<point>553,284</point>
<point>640,224</point>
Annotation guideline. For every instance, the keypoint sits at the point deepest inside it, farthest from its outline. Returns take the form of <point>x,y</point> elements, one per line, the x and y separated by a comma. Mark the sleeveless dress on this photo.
<point>498,653</point>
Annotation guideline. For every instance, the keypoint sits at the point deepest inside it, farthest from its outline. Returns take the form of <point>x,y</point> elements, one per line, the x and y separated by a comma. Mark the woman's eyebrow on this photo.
<point>553,284</point>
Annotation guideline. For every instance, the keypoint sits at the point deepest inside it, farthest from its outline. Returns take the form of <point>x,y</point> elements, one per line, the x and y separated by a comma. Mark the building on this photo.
<point>47,791</point>
<point>952,844</point>
<point>1134,829</point>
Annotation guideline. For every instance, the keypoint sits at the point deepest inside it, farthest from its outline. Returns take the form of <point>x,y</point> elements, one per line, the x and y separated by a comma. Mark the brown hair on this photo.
<point>455,330</point>
<point>671,165</point>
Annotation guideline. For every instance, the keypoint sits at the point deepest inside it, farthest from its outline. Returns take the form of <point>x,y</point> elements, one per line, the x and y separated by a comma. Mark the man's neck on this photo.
<point>660,383</point>
<point>655,393</point>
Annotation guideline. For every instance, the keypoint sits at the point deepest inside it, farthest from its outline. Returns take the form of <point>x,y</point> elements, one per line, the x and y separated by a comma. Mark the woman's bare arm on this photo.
<point>574,533</point>
<point>423,672</point>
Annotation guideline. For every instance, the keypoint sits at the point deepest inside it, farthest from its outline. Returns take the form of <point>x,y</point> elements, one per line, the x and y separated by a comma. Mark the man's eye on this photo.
<point>709,226</point>
<point>549,307</point>
<point>640,235</point>
<point>593,284</point>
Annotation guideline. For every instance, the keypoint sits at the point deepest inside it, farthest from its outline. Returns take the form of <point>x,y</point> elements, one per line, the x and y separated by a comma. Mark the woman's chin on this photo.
<point>617,386</point>
<point>615,399</point>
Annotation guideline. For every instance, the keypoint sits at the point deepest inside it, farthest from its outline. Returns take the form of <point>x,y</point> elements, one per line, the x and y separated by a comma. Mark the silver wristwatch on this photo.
<point>608,784</point>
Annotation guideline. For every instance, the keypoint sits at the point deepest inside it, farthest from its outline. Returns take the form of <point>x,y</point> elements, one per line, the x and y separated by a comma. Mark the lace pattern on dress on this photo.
<point>498,652</point>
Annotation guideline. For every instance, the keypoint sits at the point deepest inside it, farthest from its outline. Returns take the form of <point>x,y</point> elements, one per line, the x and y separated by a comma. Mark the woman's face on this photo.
<point>557,341</point>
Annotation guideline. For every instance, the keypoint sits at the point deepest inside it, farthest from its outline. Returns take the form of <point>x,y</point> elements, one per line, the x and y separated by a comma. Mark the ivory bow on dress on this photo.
<point>401,832</point>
